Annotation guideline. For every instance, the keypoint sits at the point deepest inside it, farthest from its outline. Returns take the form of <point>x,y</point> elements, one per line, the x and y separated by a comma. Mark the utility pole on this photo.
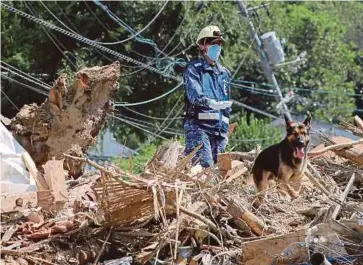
<point>267,69</point>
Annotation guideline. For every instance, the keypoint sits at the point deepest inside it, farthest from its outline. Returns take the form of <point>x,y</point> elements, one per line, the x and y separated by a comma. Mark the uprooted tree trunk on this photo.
<point>70,118</point>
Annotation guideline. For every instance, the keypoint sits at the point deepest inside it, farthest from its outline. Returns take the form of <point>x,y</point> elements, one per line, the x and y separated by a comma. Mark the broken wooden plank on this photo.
<point>352,155</point>
<point>224,163</point>
<point>45,199</point>
<point>344,227</point>
<point>54,175</point>
<point>199,217</point>
<point>350,127</point>
<point>33,171</point>
<point>16,244</point>
<point>316,182</point>
<point>359,122</point>
<point>336,148</point>
<point>238,211</point>
<point>236,172</point>
<point>9,233</point>
<point>268,250</point>
<point>343,197</point>
<point>242,156</point>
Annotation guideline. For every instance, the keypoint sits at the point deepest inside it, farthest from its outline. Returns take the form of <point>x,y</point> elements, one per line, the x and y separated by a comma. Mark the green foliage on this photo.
<point>252,132</point>
<point>139,161</point>
<point>330,60</point>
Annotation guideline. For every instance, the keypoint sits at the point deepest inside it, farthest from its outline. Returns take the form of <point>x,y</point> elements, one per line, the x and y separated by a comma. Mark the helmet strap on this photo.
<point>203,47</point>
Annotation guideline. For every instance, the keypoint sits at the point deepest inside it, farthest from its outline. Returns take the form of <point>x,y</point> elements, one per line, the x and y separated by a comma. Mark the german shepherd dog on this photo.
<point>284,161</point>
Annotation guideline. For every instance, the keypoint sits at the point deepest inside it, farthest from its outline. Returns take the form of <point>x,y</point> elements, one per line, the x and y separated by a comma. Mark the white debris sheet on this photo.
<point>16,165</point>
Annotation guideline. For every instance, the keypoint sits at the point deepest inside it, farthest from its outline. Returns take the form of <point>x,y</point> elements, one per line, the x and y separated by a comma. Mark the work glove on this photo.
<point>218,105</point>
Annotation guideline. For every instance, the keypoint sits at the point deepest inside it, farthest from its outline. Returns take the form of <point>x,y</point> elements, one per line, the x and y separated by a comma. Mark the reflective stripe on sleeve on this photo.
<point>208,116</point>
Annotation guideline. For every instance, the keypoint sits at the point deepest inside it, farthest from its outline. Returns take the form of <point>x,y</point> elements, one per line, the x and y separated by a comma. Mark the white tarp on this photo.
<point>15,177</point>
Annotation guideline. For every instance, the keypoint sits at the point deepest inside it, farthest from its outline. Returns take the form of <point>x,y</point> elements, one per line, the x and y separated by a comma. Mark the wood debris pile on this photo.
<point>173,213</point>
<point>177,214</point>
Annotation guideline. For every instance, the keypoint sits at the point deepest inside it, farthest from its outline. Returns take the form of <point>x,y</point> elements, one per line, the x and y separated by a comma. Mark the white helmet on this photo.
<point>210,32</point>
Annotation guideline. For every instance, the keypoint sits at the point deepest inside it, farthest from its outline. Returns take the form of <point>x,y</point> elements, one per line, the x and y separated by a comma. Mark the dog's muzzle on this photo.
<point>300,141</point>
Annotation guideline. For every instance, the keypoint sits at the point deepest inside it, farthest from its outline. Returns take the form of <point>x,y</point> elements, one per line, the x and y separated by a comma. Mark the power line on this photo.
<point>170,52</point>
<point>169,67</point>
<point>183,51</point>
<point>175,33</point>
<point>170,113</point>
<point>87,41</point>
<point>254,109</point>
<point>133,72</point>
<point>245,56</point>
<point>136,126</point>
<point>265,63</point>
<point>25,85</point>
<point>53,39</point>
<point>161,131</point>
<point>93,13</point>
<point>11,102</point>
<point>269,91</point>
<point>254,90</point>
<point>125,26</point>
<point>26,78</point>
<point>60,21</point>
<point>186,34</point>
<point>26,74</point>
<point>150,117</point>
<point>251,140</point>
<point>166,68</point>
<point>120,104</point>
<point>301,89</point>
<point>176,46</point>
<point>117,104</point>
<point>37,82</point>
<point>146,124</point>
<point>148,127</point>
<point>78,32</point>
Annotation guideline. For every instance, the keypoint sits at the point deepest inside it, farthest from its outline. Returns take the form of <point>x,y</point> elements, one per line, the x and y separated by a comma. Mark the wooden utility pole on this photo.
<point>267,68</point>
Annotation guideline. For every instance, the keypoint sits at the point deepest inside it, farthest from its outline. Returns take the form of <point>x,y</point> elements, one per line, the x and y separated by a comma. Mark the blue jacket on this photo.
<point>203,82</point>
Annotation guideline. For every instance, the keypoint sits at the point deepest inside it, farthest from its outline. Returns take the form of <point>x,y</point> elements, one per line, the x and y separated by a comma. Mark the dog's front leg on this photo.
<point>296,182</point>
<point>286,185</point>
<point>293,193</point>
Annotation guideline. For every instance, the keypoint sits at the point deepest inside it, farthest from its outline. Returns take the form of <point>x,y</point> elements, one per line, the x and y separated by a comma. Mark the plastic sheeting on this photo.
<point>15,177</point>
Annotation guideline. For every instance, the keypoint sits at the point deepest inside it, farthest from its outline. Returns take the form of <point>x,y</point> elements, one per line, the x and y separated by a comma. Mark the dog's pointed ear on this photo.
<point>288,121</point>
<point>307,121</point>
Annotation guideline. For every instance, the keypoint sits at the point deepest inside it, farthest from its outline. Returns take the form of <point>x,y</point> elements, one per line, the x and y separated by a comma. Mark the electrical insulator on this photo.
<point>273,48</point>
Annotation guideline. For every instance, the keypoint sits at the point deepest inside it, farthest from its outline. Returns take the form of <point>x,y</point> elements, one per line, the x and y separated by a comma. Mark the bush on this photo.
<point>139,161</point>
<point>251,132</point>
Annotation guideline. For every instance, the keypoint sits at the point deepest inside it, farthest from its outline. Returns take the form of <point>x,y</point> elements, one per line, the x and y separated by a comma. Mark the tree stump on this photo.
<point>70,119</point>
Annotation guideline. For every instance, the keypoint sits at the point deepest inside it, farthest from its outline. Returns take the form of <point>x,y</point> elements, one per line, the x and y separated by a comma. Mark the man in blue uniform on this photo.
<point>207,100</point>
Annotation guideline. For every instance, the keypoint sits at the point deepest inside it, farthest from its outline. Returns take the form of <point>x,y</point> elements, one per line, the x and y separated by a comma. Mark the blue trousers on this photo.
<point>208,153</point>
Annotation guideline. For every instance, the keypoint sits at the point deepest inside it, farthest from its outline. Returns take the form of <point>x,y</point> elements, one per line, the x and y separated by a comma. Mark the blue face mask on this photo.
<point>214,51</point>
